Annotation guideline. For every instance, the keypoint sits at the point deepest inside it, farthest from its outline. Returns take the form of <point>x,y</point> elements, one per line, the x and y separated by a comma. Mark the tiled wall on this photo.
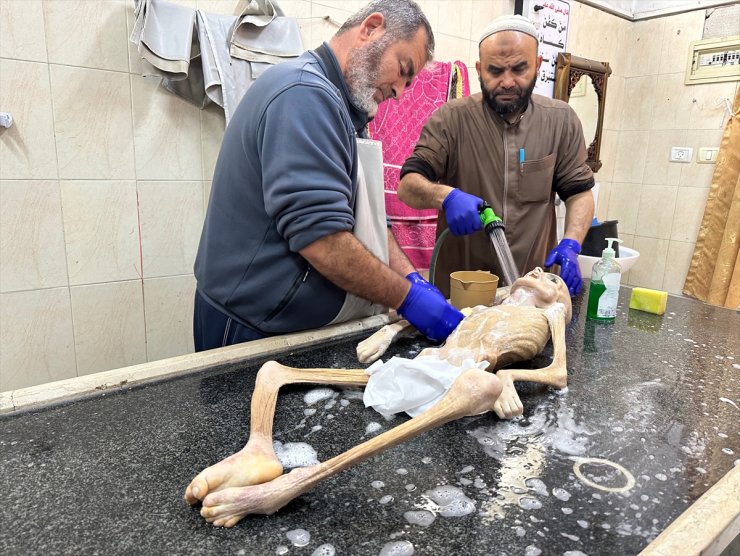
<point>104,177</point>
<point>659,204</point>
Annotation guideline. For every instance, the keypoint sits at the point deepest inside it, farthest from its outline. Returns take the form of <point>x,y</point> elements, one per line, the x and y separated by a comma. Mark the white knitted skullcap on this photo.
<point>509,23</point>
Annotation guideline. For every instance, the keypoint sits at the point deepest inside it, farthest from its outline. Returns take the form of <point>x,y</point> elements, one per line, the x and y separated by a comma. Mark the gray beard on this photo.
<point>363,67</point>
<point>514,106</point>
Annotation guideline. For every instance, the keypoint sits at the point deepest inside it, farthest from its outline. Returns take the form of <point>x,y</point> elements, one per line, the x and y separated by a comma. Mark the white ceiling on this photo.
<point>644,9</point>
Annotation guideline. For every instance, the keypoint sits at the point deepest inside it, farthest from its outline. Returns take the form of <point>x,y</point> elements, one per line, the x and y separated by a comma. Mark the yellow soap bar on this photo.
<point>650,301</point>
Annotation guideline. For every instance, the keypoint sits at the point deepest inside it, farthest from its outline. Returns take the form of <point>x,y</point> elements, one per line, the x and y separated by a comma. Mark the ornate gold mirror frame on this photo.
<point>568,72</point>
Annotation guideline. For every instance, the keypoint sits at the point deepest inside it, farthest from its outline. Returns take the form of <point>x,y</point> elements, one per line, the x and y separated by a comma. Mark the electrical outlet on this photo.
<point>707,155</point>
<point>681,154</point>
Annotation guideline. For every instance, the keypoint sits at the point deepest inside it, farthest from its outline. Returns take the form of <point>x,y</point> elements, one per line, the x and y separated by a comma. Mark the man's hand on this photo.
<point>566,255</point>
<point>461,212</point>
<point>416,278</point>
<point>429,313</point>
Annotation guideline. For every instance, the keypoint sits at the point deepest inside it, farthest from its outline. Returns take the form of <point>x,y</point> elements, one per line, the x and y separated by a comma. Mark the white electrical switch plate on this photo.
<point>707,155</point>
<point>681,154</point>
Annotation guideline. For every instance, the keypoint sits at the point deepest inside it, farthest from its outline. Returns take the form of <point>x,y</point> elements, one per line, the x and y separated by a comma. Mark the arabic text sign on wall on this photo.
<point>551,18</point>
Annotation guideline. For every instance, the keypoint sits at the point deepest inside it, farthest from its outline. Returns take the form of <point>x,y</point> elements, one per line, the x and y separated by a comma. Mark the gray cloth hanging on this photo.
<point>192,50</point>
<point>263,34</point>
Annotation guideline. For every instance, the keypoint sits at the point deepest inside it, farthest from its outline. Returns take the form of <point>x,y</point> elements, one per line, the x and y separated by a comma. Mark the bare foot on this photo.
<point>508,404</point>
<point>227,507</point>
<point>256,463</point>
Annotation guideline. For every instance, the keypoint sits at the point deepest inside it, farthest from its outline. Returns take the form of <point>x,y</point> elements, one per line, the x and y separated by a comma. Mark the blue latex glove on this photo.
<point>416,278</point>
<point>429,313</point>
<point>461,212</point>
<point>566,255</point>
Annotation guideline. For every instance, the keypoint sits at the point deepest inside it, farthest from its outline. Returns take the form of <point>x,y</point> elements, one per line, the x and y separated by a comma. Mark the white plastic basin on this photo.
<point>627,259</point>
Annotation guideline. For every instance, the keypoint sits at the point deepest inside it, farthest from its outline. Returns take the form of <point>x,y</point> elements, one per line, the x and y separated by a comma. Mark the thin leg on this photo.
<point>508,404</point>
<point>257,463</point>
<point>473,392</point>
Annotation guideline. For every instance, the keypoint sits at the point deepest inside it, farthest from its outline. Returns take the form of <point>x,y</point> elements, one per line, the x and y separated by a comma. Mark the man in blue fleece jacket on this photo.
<point>279,251</point>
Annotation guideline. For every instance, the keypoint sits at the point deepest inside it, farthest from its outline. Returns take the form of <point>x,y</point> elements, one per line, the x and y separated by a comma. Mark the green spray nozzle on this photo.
<point>608,252</point>
<point>487,216</point>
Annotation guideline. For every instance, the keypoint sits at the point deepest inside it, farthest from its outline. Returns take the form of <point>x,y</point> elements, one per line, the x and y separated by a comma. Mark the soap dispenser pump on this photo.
<point>603,293</point>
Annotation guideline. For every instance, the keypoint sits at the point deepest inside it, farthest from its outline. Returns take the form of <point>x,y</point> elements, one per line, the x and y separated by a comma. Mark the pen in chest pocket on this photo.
<point>521,161</point>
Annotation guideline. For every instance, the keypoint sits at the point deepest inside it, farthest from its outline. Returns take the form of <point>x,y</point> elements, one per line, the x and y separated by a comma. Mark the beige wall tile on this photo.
<point>644,38</point>
<point>608,154</point>
<point>483,12</point>
<point>690,204</point>
<point>677,266</point>
<point>207,185</point>
<point>455,19</point>
<point>109,326</point>
<point>100,39</point>
<point>628,240</point>
<point>613,106</point>
<point>166,133</point>
<point>474,80</point>
<point>695,174</point>
<point>350,6</point>
<point>451,49</point>
<point>649,269</point>
<point>657,207</point>
<point>431,10</point>
<point>22,30</point>
<point>624,200</point>
<point>706,107</point>
<point>618,56</point>
<point>134,60</point>
<point>36,340</point>
<point>169,316</point>
<point>588,38</point>
<point>322,29</point>
<point>31,236</point>
<point>631,156</point>
<point>672,103</point>
<point>659,170</point>
<point>92,118</point>
<point>472,58</point>
<point>171,216</point>
<point>101,226</point>
<point>639,93</point>
<point>679,30</point>
<point>27,149</point>
<point>212,126</point>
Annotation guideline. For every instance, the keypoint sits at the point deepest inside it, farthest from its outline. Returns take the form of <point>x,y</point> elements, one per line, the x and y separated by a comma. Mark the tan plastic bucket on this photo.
<point>469,288</point>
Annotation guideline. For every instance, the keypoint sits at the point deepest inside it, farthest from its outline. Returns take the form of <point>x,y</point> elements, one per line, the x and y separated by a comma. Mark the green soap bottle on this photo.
<point>603,293</point>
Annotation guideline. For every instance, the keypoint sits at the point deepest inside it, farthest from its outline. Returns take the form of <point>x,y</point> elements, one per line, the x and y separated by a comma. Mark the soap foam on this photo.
<point>324,550</point>
<point>423,518</point>
<point>373,427</point>
<point>528,503</point>
<point>451,501</point>
<point>397,548</point>
<point>538,486</point>
<point>318,395</point>
<point>299,537</point>
<point>295,454</point>
<point>561,494</point>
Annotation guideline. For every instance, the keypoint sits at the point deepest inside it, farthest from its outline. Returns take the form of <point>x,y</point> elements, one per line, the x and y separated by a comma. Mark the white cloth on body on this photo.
<point>411,385</point>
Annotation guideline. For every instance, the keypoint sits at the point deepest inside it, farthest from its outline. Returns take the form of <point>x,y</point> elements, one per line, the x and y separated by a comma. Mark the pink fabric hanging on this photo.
<point>398,125</point>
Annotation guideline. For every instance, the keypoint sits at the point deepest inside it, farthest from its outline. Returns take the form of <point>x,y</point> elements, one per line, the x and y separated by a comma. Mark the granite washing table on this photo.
<point>646,433</point>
